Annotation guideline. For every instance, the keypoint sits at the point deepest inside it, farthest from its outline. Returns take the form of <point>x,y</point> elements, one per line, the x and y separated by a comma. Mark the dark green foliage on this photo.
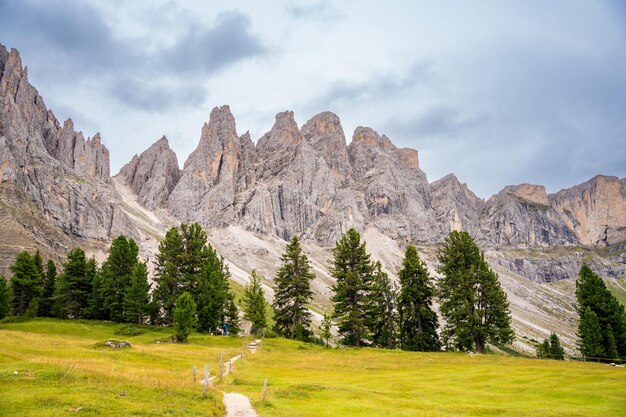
<point>418,321</point>
<point>136,299</point>
<point>254,304</point>
<point>232,315</point>
<point>551,348</point>
<point>25,283</point>
<point>592,293</point>
<point>73,288</point>
<point>97,309</point>
<point>472,301</point>
<point>325,329</point>
<point>353,272</point>
<point>293,292</point>
<point>187,263</point>
<point>590,344</point>
<point>46,302</point>
<point>184,316</point>
<point>116,275</point>
<point>382,315</point>
<point>5,297</point>
<point>39,263</point>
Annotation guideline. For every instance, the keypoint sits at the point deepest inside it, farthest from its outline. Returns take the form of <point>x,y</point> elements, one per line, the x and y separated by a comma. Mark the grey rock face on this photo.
<point>153,174</point>
<point>520,215</point>
<point>65,176</point>
<point>456,207</point>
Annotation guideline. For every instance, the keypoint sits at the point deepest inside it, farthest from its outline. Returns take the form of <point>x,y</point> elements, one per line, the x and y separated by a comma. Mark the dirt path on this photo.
<point>238,405</point>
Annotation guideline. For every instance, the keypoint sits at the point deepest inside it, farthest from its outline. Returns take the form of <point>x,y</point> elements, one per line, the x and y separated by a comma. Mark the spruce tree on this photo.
<point>46,303</point>
<point>39,263</point>
<point>25,283</point>
<point>293,292</point>
<point>611,347</point>
<point>383,315</point>
<point>326,329</point>
<point>353,272</point>
<point>551,348</point>
<point>592,293</point>
<point>136,299</point>
<point>97,309</point>
<point>590,341</point>
<point>418,321</point>
<point>184,316</point>
<point>211,291</point>
<point>168,275</point>
<point>231,318</point>
<point>472,301</point>
<point>254,304</point>
<point>116,275</point>
<point>5,297</point>
<point>73,288</point>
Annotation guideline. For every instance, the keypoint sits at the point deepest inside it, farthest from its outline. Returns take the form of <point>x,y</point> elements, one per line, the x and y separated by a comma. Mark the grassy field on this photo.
<point>305,380</point>
<point>53,368</point>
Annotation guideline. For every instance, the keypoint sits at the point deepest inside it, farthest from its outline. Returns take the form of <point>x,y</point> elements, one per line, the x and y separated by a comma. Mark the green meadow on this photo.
<point>54,367</point>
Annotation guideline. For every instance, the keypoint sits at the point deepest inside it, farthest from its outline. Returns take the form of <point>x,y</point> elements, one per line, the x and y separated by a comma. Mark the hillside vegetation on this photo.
<point>52,367</point>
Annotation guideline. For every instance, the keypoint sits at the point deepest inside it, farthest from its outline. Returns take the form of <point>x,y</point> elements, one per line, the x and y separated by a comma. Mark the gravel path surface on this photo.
<point>238,405</point>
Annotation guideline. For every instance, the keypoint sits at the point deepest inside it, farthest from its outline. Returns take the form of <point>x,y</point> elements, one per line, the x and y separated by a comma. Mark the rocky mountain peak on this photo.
<point>366,136</point>
<point>323,132</point>
<point>278,147</point>
<point>530,192</point>
<point>456,207</point>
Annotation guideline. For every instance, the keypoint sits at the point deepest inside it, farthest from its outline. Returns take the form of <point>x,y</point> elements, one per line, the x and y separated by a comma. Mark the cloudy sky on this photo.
<point>498,92</point>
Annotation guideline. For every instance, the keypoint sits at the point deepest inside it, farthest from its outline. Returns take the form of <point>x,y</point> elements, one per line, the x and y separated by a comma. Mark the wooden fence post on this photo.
<point>206,379</point>
<point>264,389</point>
<point>194,374</point>
<point>221,367</point>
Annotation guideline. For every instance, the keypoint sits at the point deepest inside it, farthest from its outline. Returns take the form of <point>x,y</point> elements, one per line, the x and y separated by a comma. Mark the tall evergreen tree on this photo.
<point>551,348</point>
<point>212,291</point>
<point>418,321</point>
<point>116,275</point>
<point>383,314</point>
<point>73,288</point>
<point>254,304</point>
<point>5,297</point>
<point>46,303</point>
<point>293,292</point>
<point>326,329</point>
<point>231,318</point>
<point>353,272</point>
<point>136,299</point>
<point>39,263</point>
<point>25,283</point>
<point>168,273</point>
<point>97,309</point>
<point>590,341</point>
<point>472,301</point>
<point>184,316</point>
<point>591,292</point>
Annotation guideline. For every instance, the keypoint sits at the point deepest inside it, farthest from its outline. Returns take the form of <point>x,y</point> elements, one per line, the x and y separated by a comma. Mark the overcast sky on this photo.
<point>498,92</point>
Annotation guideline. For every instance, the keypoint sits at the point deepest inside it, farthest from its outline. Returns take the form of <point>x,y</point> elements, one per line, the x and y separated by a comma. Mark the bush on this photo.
<point>129,330</point>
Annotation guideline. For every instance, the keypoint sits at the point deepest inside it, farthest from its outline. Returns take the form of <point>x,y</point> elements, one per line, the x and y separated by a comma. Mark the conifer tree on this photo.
<point>5,297</point>
<point>293,292</point>
<point>472,301</point>
<point>211,291</point>
<point>592,293</point>
<point>168,273</point>
<point>418,321</point>
<point>116,275</point>
<point>97,309</point>
<point>73,288</point>
<point>590,341</point>
<point>353,272</point>
<point>39,263</point>
<point>254,304</point>
<point>46,303</point>
<point>383,315</point>
<point>231,318</point>
<point>326,329</point>
<point>25,283</point>
<point>136,299</point>
<point>551,348</point>
<point>184,316</point>
<point>611,347</point>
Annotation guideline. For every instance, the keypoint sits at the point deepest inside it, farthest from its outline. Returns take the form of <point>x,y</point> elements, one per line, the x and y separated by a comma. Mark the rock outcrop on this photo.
<point>595,210</point>
<point>456,207</point>
<point>153,174</point>
<point>64,175</point>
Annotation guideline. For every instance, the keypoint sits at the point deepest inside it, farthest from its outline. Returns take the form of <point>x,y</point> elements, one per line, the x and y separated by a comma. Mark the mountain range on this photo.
<point>56,191</point>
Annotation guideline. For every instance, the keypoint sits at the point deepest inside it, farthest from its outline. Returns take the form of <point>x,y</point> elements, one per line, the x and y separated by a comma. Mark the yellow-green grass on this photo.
<point>54,367</point>
<point>306,380</point>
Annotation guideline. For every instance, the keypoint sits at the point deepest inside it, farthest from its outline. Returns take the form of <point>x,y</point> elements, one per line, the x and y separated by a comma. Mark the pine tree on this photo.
<point>472,301</point>
<point>611,347</point>
<point>383,316</point>
<point>116,275</point>
<point>136,299</point>
<point>418,321</point>
<point>184,316</point>
<point>556,350</point>
<point>168,274</point>
<point>73,288</point>
<point>39,263</point>
<point>293,292</point>
<point>543,349</point>
<point>254,304</point>
<point>326,329</point>
<point>5,297</point>
<point>97,309</point>
<point>25,283</point>
<point>590,341</point>
<point>231,318</point>
<point>46,302</point>
<point>353,272</point>
<point>212,291</point>
<point>591,292</point>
